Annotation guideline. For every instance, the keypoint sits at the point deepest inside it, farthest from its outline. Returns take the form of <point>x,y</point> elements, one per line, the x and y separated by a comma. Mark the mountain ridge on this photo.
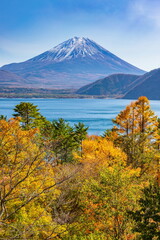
<point>147,85</point>
<point>115,85</point>
<point>71,64</point>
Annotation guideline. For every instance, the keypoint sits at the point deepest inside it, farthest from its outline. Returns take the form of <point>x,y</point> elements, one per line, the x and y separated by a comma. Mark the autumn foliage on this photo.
<point>58,183</point>
<point>27,184</point>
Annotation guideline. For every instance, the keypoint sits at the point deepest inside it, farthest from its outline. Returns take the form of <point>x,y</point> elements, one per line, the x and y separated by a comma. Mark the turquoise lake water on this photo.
<point>97,114</point>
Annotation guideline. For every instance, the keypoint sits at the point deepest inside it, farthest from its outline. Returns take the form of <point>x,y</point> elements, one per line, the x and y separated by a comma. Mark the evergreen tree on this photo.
<point>62,138</point>
<point>147,219</point>
<point>66,139</point>
<point>80,132</point>
<point>30,115</point>
<point>2,117</point>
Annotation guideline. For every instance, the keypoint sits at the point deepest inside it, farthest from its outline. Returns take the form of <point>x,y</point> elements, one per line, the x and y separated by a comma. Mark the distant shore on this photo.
<point>47,93</point>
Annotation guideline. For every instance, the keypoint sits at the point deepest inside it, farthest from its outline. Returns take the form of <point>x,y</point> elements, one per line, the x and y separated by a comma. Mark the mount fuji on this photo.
<point>72,64</point>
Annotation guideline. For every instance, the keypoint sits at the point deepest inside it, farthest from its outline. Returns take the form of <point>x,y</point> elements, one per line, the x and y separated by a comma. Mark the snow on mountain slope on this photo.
<point>72,64</point>
<point>73,48</point>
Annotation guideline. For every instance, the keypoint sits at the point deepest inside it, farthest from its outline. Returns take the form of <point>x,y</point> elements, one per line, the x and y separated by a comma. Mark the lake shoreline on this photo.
<point>97,114</point>
<point>49,93</point>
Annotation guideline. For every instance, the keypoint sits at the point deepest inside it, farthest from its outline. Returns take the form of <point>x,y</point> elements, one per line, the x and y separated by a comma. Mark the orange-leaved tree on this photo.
<point>137,118</point>
<point>137,127</point>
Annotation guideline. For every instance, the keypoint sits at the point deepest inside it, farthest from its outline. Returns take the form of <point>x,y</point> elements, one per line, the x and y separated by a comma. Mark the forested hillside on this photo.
<point>56,182</point>
<point>113,86</point>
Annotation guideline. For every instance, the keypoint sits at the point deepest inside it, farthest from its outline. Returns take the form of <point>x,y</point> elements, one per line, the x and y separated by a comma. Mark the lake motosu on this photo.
<point>97,114</point>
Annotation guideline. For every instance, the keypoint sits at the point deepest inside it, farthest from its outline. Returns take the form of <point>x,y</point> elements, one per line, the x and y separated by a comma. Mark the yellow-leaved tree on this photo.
<point>110,189</point>
<point>27,185</point>
<point>98,151</point>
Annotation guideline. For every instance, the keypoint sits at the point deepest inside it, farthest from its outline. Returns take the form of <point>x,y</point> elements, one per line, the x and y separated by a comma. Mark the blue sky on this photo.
<point>128,28</point>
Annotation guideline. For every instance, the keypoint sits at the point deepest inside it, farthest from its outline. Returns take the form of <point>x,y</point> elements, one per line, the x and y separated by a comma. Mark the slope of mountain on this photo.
<point>147,85</point>
<point>9,79</point>
<point>111,86</point>
<point>71,64</point>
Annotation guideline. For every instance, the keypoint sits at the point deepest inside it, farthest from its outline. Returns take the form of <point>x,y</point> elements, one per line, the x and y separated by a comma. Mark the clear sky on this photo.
<point>128,28</point>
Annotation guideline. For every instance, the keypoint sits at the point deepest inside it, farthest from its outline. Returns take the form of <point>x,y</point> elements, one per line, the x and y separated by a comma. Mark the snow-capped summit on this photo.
<point>71,64</point>
<point>76,47</point>
<point>73,48</point>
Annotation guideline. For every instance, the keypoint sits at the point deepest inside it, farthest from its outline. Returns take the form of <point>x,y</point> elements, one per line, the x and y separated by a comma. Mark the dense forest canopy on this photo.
<point>56,182</point>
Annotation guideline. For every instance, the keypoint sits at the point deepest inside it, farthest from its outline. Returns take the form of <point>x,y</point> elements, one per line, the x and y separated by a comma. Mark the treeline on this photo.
<point>56,182</point>
<point>35,93</point>
<point>45,93</point>
<point>40,93</point>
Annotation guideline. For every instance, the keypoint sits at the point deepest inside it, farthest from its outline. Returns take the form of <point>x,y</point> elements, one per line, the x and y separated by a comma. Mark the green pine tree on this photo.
<point>30,115</point>
<point>147,218</point>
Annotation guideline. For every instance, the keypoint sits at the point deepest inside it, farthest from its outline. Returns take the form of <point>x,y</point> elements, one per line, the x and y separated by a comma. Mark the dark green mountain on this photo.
<point>115,85</point>
<point>147,85</point>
